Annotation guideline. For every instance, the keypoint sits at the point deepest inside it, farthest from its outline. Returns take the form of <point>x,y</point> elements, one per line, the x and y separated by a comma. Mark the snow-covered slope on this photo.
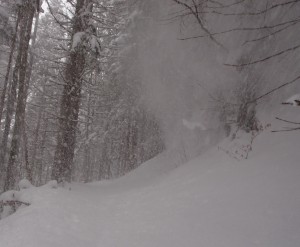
<point>212,201</point>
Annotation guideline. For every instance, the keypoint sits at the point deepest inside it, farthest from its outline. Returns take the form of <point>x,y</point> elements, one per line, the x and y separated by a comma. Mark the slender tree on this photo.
<point>29,9</point>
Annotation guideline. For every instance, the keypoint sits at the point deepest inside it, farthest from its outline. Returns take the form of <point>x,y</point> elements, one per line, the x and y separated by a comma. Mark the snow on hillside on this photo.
<point>212,201</point>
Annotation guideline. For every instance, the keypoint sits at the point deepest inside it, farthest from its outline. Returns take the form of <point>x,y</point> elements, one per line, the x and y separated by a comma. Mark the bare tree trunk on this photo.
<point>9,65</point>
<point>86,162</point>
<point>12,168</point>
<point>10,108</point>
<point>28,167</point>
<point>10,111</point>
<point>28,78</point>
<point>70,102</point>
<point>39,163</point>
<point>36,137</point>
<point>31,53</point>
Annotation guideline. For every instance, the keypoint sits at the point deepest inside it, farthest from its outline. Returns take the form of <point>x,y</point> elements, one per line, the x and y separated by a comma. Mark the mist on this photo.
<point>179,77</point>
<point>182,77</point>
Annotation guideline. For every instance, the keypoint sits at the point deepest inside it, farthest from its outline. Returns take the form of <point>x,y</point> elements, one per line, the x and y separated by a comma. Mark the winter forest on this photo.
<point>149,123</point>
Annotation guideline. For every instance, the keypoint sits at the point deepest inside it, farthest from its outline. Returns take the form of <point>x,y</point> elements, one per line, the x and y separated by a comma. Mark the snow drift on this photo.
<point>212,201</point>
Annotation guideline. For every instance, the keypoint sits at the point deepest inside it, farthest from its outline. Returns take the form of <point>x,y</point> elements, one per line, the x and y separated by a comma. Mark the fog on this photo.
<point>181,78</point>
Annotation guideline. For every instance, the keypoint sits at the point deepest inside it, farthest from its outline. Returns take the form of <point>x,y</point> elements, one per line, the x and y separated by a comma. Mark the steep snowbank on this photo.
<point>212,201</point>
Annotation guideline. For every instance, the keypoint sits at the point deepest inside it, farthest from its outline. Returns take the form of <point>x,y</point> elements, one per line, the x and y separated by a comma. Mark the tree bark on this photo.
<point>87,161</point>
<point>12,168</point>
<point>70,102</point>
<point>10,104</point>
<point>9,65</point>
<point>39,165</point>
<point>28,167</point>
<point>36,136</point>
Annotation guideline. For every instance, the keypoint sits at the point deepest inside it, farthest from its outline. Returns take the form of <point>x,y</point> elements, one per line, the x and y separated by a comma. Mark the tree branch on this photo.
<point>264,59</point>
<point>287,121</point>
<point>245,29</point>
<point>275,89</point>
<point>196,15</point>
<point>13,203</point>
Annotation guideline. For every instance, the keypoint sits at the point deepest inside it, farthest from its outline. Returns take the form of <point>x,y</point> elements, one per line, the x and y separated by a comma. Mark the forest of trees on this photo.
<point>72,106</point>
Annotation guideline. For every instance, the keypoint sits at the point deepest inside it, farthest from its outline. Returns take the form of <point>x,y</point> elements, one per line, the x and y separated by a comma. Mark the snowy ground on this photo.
<point>212,201</point>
